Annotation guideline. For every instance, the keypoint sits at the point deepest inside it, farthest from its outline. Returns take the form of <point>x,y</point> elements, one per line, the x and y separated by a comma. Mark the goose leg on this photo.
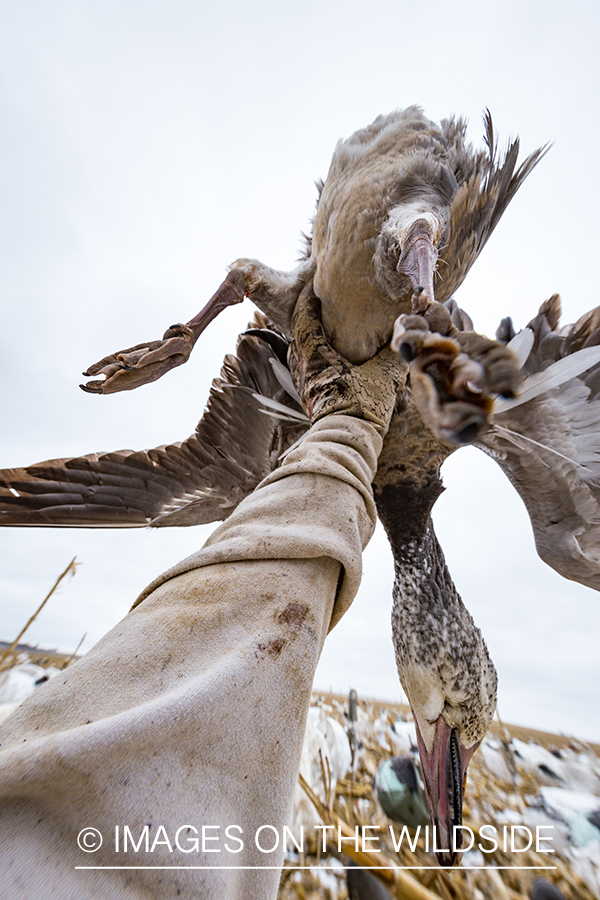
<point>454,375</point>
<point>146,362</point>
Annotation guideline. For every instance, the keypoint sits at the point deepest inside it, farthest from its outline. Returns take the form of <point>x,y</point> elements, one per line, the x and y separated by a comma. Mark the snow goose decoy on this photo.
<point>396,786</point>
<point>362,885</point>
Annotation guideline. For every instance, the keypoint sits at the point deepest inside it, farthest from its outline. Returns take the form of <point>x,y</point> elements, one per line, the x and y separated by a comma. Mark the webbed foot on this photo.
<point>146,362</point>
<point>142,364</point>
<point>455,375</point>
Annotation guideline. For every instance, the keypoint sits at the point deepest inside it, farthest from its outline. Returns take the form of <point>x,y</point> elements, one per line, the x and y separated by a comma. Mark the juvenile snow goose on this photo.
<point>401,195</point>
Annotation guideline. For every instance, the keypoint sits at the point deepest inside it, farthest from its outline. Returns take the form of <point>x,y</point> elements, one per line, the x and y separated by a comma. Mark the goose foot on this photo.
<point>454,375</point>
<point>146,362</point>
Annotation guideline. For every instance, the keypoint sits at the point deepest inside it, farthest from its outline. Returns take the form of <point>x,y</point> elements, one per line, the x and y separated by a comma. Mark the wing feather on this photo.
<point>196,481</point>
<point>488,182</point>
<point>548,442</point>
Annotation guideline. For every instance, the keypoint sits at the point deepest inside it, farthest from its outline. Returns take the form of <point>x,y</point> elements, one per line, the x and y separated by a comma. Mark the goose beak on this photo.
<point>445,774</point>
<point>417,261</point>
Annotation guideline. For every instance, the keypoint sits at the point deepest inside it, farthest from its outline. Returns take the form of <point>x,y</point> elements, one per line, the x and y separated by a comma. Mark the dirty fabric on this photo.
<point>180,733</point>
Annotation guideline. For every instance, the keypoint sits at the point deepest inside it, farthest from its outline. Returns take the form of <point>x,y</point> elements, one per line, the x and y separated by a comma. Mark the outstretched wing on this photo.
<point>200,480</point>
<point>547,440</point>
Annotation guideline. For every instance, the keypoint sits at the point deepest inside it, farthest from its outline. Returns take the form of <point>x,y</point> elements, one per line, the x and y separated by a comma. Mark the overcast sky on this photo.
<point>145,145</point>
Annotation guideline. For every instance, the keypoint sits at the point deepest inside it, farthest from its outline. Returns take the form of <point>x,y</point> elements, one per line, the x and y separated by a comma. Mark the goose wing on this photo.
<point>547,440</point>
<point>199,480</point>
<point>488,180</point>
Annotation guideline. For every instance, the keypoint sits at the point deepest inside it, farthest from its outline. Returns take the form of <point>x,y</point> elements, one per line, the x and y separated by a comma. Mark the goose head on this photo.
<point>449,679</point>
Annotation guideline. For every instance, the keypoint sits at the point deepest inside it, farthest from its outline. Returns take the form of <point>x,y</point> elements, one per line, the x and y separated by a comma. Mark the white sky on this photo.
<point>145,145</point>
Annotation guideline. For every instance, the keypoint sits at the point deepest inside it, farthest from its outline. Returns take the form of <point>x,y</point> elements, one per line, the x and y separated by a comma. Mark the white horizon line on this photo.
<point>386,868</point>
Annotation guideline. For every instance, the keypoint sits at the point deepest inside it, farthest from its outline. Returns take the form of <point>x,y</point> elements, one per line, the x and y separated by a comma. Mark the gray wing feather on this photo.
<point>549,446</point>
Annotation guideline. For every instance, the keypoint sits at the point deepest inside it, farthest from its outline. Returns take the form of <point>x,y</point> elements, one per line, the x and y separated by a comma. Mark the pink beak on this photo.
<point>444,772</point>
<point>417,261</point>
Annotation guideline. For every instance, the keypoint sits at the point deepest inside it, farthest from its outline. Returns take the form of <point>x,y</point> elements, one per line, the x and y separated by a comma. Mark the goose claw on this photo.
<point>454,375</point>
<point>142,364</point>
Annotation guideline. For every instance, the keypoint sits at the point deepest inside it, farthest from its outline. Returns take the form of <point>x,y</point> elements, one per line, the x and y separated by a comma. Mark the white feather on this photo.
<point>558,373</point>
<point>273,404</point>
<point>518,439</point>
<point>521,345</point>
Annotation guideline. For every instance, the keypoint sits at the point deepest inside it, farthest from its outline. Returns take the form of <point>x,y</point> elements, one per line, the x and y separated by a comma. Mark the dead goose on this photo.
<point>546,441</point>
<point>400,194</point>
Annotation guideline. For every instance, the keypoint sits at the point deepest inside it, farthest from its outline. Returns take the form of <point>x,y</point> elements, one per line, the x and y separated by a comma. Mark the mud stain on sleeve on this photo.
<point>293,616</point>
<point>270,648</point>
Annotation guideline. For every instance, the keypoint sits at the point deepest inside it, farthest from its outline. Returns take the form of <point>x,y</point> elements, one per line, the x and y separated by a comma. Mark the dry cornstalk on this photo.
<point>10,650</point>
<point>381,866</point>
<point>74,653</point>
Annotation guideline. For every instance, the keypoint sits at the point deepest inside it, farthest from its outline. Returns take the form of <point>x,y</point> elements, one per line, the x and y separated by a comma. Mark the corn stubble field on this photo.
<point>518,777</point>
<point>508,782</point>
